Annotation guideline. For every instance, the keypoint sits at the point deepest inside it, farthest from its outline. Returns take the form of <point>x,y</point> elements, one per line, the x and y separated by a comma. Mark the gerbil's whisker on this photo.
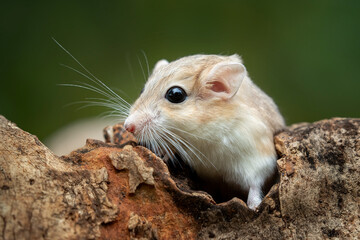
<point>94,89</point>
<point>119,106</point>
<point>147,63</point>
<point>188,133</point>
<point>159,145</point>
<point>116,110</point>
<point>104,91</point>
<point>182,146</point>
<point>113,106</point>
<point>142,69</point>
<point>161,140</point>
<point>92,75</point>
<point>151,139</point>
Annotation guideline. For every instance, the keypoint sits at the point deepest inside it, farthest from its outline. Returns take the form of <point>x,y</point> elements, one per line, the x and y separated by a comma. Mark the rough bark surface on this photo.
<point>43,196</point>
<point>320,179</point>
<point>120,190</point>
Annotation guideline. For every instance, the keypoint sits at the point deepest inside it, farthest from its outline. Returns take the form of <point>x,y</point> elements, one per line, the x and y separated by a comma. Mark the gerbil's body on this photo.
<point>206,108</point>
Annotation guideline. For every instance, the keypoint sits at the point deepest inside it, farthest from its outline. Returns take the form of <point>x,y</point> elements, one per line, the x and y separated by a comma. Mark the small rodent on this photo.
<point>206,109</point>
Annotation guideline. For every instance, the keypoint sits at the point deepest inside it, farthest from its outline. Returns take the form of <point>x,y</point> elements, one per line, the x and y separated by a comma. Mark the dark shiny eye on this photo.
<point>176,95</point>
<point>142,90</point>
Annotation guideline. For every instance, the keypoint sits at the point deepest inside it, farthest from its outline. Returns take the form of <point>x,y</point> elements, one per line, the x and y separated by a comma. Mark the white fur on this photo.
<point>231,152</point>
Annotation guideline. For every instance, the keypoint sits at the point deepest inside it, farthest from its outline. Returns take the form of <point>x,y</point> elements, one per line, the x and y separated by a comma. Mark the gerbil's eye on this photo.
<point>142,90</point>
<point>176,95</point>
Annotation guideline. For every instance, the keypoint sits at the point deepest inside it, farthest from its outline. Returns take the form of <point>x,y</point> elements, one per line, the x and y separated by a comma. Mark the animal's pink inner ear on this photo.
<point>217,86</point>
<point>223,80</point>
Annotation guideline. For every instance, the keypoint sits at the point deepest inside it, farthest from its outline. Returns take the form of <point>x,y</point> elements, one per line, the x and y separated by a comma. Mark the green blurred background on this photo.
<point>305,54</point>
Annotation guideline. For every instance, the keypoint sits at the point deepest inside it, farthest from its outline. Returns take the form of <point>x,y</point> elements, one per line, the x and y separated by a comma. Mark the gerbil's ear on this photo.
<point>160,63</point>
<point>237,58</point>
<point>223,81</point>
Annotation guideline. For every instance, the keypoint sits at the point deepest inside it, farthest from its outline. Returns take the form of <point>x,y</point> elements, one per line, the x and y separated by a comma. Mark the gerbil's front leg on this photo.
<point>254,197</point>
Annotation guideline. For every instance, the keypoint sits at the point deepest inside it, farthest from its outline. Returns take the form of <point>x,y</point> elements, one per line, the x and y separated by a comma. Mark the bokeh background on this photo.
<point>305,54</point>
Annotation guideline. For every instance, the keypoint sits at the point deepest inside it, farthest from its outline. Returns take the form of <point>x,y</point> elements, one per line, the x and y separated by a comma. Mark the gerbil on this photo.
<point>207,109</point>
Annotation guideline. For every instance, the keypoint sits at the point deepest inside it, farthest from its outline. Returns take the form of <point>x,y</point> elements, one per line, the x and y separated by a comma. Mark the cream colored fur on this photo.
<point>230,132</point>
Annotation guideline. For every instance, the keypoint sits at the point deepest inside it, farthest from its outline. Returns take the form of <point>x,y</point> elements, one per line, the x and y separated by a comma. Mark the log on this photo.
<point>119,190</point>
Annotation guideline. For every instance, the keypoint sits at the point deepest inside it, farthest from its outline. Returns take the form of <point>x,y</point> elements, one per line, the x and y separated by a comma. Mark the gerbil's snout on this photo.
<point>130,127</point>
<point>137,123</point>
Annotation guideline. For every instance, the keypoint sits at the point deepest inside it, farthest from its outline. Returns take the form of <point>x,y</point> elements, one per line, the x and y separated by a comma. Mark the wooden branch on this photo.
<point>123,191</point>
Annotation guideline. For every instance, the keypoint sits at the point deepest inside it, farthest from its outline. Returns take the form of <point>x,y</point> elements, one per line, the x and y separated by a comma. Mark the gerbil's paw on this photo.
<point>254,197</point>
<point>253,203</point>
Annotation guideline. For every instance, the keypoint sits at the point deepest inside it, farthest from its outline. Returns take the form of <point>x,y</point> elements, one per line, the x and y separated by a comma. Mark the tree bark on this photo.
<point>120,190</point>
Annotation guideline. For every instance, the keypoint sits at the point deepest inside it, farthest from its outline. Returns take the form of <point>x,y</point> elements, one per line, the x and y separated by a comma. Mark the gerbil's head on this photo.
<point>183,99</point>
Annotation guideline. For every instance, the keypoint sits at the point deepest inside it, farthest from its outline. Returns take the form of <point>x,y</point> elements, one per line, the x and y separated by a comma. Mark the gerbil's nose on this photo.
<point>130,127</point>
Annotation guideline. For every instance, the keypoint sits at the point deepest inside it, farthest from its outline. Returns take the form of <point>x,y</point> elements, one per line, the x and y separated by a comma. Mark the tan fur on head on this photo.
<point>223,129</point>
